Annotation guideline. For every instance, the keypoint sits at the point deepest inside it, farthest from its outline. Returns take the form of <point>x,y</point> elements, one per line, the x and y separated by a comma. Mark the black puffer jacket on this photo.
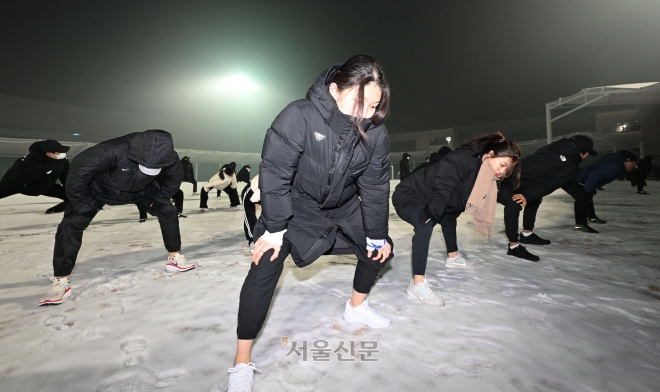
<point>35,172</point>
<point>442,188</point>
<point>551,167</point>
<point>312,148</point>
<point>404,166</point>
<point>188,170</point>
<point>601,173</point>
<point>108,173</point>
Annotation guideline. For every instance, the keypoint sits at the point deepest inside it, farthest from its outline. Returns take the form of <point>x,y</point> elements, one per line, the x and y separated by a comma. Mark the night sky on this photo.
<point>449,63</point>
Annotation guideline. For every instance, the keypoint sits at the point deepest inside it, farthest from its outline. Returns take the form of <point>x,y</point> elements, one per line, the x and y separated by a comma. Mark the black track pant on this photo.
<point>194,182</point>
<point>56,191</point>
<point>233,195</point>
<point>583,206</point>
<point>422,239</point>
<point>512,211</point>
<point>250,209</point>
<point>68,238</point>
<point>177,197</point>
<point>259,286</point>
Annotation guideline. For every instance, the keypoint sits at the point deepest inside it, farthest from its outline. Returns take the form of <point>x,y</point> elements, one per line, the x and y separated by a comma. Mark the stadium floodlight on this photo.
<point>236,83</point>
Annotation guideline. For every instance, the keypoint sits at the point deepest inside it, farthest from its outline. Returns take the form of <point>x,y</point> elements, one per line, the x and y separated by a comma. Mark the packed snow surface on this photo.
<point>585,318</point>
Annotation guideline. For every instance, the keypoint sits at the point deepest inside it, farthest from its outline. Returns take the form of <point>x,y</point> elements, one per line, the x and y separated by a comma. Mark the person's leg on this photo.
<point>511,212</point>
<point>6,191</point>
<point>194,182</point>
<point>204,198</point>
<point>56,191</point>
<point>449,233</point>
<point>529,215</point>
<point>178,200</point>
<point>68,240</point>
<point>591,210</point>
<point>420,248</point>
<point>233,197</point>
<point>255,298</point>
<point>581,205</point>
<point>250,218</point>
<point>143,214</point>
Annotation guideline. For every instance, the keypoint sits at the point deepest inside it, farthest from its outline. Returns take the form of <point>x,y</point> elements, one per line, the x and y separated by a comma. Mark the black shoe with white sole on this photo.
<point>533,239</point>
<point>521,252</point>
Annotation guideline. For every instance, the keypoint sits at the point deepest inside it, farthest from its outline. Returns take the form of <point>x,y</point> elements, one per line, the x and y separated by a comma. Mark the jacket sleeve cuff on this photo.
<point>274,238</point>
<point>376,234</point>
<point>274,227</point>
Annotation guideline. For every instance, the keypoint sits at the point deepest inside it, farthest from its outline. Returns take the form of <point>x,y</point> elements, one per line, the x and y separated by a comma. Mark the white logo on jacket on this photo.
<point>563,158</point>
<point>49,171</point>
<point>319,136</point>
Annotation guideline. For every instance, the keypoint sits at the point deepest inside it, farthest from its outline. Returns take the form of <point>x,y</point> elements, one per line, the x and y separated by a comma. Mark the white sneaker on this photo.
<point>459,262</point>
<point>365,314</point>
<point>178,263</point>
<point>195,193</point>
<point>203,209</point>
<point>59,290</point>
<point>219,198</point>
<point>240,377</point>
<point>251,247</point>
<point>423,292</point>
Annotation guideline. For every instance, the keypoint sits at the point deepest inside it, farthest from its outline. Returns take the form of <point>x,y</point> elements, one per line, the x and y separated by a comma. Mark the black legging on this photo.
<point>583,205</point>
<point>259,287</point>
<point>55,190</point>
<point>422,239</point>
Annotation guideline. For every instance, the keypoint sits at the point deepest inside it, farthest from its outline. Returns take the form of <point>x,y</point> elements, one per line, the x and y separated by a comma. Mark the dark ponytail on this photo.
<point>500,147</point>
<point>229,170</point>
<point>359,71</point>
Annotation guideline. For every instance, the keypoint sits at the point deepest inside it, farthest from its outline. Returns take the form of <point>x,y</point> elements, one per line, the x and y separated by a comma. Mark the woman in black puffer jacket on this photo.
<point>441,192</point>
<point>320,153</point>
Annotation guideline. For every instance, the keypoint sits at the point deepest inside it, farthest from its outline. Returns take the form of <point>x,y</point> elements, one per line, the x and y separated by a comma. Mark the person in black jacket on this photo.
<point>115,172</point>
<point>189,173</point>
<point>317,155</point>
<point>234,200</point>
<point>594,176</point>
<point>404,166</point>
<point>638,175</point>
<point>551,167</point>
<point>440,193</point>
<point>37,173</point>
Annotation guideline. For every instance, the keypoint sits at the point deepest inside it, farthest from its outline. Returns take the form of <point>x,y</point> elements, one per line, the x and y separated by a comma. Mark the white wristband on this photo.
<point>274,238</point>
<point>374,244</point>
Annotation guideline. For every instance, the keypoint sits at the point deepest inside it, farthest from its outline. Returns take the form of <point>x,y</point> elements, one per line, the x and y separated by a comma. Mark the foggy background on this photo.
<point>104,69</point>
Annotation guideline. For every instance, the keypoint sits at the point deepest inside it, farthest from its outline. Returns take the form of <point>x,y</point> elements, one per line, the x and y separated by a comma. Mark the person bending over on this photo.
<point>464,180</point>
<point>115,172</point>
<point>37,173</point>
<point>318,154</point>
<point>551,167</point>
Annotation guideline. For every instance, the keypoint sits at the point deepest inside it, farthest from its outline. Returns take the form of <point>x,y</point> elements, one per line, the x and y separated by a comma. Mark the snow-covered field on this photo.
<point>586,318</point>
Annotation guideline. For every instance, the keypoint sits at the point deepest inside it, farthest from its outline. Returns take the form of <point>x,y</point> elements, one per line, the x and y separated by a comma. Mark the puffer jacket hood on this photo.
<point>39,155</point>
<point>405,156</point>
<point>153,149</point>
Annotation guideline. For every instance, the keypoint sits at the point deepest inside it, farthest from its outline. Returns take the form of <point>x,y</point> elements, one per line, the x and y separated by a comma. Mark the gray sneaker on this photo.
<point>423,292</point>
<point>460,262</point>
<point>59,290</point>
<point>240,377</point>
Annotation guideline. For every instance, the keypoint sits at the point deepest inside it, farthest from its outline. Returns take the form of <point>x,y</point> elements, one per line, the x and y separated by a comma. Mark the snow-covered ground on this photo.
<point>586,318</point>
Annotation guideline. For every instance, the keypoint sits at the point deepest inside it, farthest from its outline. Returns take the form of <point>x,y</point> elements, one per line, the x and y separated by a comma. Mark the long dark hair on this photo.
<point>500,147</point>
<point>229,170</point>
<point>359,71</point>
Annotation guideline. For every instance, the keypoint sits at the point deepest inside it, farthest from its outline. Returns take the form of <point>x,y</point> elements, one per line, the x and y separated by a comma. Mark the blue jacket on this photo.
<point>608,169</point>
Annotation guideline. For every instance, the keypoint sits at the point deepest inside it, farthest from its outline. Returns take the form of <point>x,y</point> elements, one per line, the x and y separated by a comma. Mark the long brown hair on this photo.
<point>359,71</point>
<point>500,147</point>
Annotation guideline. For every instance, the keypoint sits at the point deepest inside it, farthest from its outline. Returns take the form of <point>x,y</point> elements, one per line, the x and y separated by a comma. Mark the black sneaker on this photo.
<point>533,239</point>
<point>142,220</point>
<point>585,229</point>
<point>521,252</point>
<point>596,220</point>
<point>643,192</point>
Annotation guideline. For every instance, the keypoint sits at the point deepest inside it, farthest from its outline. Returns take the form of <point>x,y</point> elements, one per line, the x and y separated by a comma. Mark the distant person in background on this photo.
<point>177,198</point>
<point>465,180</point>
<point>37,173</point>
<point>251,197</point>
<point>435,157</point>
<point>656,171</point>
<point>225,178</point>
<point>189,173</point>
<point>116,172</point>
<point>606,170</point>
<point>234,200</point>
<point>638,175</point>
<point>404,166</point>
<point>243,175</point>
<point>551,167</point>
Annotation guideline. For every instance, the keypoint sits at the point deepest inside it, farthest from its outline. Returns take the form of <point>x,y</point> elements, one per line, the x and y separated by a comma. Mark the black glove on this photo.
<point>424,217</point>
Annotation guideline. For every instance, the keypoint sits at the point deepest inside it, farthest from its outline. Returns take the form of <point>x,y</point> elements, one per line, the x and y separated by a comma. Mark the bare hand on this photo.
<point>256,207</point>
<point>383,254</point>
<point>520,199</point>
<point>261,247</point>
